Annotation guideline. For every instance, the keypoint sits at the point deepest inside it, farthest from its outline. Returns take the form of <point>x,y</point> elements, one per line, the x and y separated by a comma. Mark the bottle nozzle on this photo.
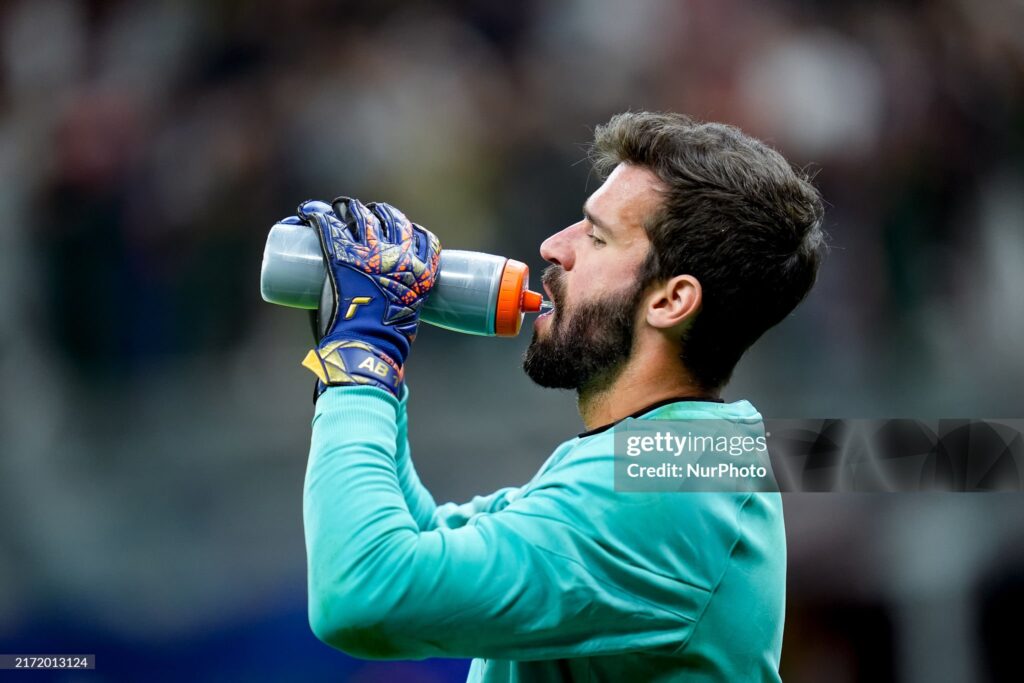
<point>532,301</point>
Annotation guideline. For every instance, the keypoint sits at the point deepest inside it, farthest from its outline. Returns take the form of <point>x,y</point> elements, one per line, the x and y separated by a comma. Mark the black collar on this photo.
<point>642,411</point>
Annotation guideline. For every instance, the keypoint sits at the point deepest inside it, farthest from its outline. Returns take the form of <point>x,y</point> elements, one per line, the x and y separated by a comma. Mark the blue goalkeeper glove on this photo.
<point>380,268</point>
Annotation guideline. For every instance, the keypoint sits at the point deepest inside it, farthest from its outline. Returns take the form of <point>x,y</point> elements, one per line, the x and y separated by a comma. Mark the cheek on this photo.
<point>608,277</point>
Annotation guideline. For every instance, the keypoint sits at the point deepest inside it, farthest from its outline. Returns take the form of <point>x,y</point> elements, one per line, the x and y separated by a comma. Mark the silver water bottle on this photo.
<point>475,293</point>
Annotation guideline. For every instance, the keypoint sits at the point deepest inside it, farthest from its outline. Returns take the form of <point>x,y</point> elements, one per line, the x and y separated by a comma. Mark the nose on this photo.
<point>558,249</point>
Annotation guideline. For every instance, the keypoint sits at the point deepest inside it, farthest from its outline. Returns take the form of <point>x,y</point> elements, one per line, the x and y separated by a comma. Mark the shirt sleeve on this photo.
<point>427,514</point>
<point>421,504</point>
<point>535,579</point>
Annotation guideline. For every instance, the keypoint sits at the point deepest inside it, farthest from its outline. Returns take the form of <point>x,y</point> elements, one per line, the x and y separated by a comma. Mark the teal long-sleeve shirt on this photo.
<point>561,579</point>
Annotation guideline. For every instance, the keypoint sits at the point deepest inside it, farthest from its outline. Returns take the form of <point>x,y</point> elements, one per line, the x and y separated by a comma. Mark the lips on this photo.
<point>552,279</point>
<point>542,321</point>
<point>549,298</point>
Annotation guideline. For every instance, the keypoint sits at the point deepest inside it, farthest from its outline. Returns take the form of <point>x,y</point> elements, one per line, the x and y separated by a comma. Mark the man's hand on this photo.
<point>380,268</point>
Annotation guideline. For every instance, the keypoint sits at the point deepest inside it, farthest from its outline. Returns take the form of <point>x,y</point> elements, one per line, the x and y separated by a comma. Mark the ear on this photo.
<point>673,303</point>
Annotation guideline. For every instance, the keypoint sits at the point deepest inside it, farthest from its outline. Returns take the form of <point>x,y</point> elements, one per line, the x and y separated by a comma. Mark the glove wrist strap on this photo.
<point>353,363</point>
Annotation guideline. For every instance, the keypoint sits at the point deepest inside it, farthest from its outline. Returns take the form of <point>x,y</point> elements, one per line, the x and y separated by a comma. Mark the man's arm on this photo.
<point>427,514</point>
<point>521,583</point>
<point>421,504</point>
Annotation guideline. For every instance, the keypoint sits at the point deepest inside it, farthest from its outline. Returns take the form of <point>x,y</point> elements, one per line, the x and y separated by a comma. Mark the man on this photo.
<point>699,240</point>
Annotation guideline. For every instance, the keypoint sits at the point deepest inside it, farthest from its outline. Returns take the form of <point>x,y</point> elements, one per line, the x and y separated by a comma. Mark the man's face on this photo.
<point>592,281</point>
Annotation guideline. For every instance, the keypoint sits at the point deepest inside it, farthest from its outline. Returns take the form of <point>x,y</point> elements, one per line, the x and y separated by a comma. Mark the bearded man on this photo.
<point>699,239</point>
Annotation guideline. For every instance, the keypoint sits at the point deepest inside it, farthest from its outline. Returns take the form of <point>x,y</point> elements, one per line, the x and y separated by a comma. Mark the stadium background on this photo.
<point>153,415</point>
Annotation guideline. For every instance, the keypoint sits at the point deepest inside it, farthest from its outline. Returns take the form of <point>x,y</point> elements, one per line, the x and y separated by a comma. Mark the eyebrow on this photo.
<point>598,223</point>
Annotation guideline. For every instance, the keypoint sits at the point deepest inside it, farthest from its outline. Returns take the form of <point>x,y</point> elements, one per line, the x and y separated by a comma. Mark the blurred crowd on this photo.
<point>154,418</point>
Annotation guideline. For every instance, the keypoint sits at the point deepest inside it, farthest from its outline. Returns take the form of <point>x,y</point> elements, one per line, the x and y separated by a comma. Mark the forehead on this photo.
<point>627,198</point>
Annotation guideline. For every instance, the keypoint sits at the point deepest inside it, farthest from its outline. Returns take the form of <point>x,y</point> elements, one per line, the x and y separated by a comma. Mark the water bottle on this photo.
<point>474,293</point>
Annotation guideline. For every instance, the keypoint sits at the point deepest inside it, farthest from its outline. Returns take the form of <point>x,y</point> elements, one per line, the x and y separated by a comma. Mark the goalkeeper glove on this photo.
<point>380,269</point>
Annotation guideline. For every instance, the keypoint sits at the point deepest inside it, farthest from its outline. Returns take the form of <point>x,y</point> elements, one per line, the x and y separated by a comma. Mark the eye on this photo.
<point>595,239</point>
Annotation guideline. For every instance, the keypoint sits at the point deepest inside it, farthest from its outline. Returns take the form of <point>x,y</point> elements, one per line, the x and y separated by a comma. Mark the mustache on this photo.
<point>554,279</point>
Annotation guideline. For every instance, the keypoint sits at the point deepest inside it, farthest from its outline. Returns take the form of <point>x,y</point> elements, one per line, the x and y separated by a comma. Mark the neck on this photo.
<point>638,384</point>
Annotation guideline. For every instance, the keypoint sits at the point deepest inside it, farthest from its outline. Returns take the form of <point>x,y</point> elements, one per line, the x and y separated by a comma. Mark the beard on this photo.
<point>585,347</point>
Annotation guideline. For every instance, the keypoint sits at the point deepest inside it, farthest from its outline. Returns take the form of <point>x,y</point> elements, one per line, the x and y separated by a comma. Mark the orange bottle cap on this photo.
<point>532,301</point>
<point>508,316</point>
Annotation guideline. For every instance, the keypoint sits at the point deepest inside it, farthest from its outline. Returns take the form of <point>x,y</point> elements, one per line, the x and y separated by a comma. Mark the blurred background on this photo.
<point>154,420</point>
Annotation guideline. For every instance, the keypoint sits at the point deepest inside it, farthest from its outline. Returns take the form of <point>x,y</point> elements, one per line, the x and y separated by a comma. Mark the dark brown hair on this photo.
<point>735,215</point>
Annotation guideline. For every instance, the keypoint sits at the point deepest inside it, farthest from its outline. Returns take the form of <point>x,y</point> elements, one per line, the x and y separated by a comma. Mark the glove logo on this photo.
<point>356,303</point>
